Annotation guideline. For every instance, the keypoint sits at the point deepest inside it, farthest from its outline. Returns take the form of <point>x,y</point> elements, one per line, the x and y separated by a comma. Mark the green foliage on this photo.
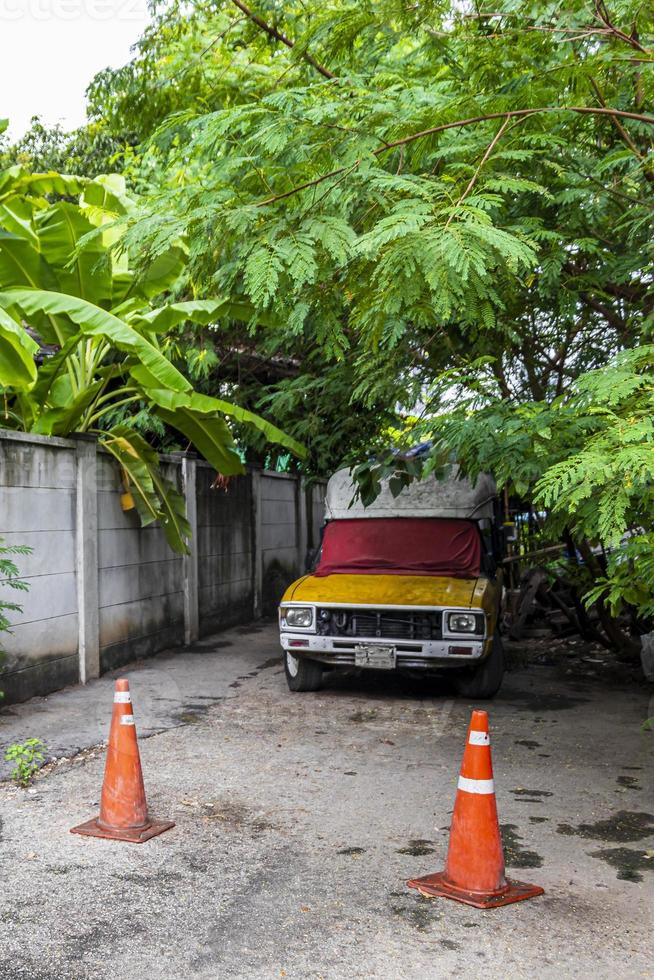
<point>27,757</point>
<point>10,578</point>
<point>585,461</point>
<point>429,231</point>
<point>59,274</point>
<point>17,351</point>
<point>89,151</point>
<point>365,192</point>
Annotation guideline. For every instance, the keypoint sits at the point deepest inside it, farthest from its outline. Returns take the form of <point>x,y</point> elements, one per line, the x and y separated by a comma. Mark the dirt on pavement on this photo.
<point>299,818</point>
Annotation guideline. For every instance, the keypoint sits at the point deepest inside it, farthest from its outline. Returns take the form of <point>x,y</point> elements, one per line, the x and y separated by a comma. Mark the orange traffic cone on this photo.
<point>474,870</point>
<point>123,810</point>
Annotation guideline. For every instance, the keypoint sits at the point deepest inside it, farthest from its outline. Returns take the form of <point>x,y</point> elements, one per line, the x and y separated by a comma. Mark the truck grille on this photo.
<point>396,624</point>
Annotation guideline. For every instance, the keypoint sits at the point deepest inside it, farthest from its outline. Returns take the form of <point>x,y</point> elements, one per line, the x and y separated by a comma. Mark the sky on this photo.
<point>52,49</point>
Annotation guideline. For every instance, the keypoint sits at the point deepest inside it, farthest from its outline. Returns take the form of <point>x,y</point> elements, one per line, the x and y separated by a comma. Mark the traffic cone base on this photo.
<point>135,835</point>
<point>437,886</point>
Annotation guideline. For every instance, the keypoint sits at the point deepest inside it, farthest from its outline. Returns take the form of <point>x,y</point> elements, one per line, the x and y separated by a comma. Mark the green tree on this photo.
<point>456,200</point>
<point>89,150</point>
<point>407,190</point>
<point>441,180</point>
<point>100,319</point>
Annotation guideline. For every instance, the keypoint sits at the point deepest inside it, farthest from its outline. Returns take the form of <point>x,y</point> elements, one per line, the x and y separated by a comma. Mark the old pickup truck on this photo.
<point>410,583</point>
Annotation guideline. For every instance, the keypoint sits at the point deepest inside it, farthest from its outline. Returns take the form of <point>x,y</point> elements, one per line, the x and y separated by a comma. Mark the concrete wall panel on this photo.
<point>26,464</point>
<point>225,563</point>
<point>36,509</point>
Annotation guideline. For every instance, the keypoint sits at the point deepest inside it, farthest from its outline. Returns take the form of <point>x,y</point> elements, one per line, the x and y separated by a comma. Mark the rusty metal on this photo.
<point>437,886</point>
<point>137,835</point>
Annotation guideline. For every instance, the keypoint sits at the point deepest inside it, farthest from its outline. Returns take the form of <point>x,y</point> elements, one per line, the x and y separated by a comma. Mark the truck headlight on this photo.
<point>458,622</point>
<point>298,617</point>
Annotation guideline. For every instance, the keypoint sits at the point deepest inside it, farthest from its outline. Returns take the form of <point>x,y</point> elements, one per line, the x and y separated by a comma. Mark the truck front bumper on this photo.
<point>339,651</point>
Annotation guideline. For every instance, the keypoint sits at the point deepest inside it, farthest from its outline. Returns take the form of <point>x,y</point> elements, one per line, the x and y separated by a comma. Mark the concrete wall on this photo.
<point>140,586</point>
<point>281,551</point>
<point>225,550</point>
<point>103,590</point>
<point>37,508</point>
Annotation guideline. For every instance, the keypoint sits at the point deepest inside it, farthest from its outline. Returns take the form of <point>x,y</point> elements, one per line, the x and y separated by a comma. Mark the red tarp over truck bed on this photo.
<point>401,546</point>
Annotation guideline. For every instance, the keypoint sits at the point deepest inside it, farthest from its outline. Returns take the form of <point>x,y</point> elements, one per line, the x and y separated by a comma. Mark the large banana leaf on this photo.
<point>106,196</point>
<point>17,217</point>
<point>204,311</point>
<point>18,180</point>
<point>162,272</point>
<point>155,497</point>
<point>172,513</point>
<point>200,311</point>
<point>17,350</point>
<point>199,405</point>
<point>50,370</point>
<point>105,203</point>
<point>63,418</point>
<point>21,263</point>
<point>160,275</point>
<point>96,322</point>
<point>84,273</point>
<point>62,185</point>
<point>135,466</point>
<point>209,435</point>
<point>8,180</point>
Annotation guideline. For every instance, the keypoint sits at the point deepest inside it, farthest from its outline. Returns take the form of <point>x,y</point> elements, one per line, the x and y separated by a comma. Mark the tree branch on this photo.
<point>459,124</point>
<point>624,135</point>
<point>471,183</point>
<point>612,318</point>
<point>278,36</point>
<point>602,16</point>
<point>516,114</point>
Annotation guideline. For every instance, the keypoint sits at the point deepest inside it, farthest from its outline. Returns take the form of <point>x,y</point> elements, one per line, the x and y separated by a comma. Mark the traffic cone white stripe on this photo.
<point>482,786</point>
<point>479,738</point>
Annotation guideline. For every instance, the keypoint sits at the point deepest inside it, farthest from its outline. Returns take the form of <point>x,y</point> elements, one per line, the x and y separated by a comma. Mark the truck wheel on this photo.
<point>483,681</point>
<point>301,674</point>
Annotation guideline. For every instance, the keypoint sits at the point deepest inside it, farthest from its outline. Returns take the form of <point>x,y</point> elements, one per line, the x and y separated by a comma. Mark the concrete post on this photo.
<point>301,519</point>
<point>190,561</point>
<point>86,558</point>
<point>257,554</point>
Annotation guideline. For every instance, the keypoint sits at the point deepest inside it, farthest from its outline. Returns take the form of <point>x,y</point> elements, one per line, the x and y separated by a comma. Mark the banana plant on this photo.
<point>60,273</point>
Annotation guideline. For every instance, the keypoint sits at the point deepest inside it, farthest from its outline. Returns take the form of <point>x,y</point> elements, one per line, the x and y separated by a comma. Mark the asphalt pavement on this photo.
<point>299,818</point>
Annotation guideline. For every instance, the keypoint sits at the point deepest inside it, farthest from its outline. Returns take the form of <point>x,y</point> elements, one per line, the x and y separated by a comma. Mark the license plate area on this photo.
<point>375,655</point>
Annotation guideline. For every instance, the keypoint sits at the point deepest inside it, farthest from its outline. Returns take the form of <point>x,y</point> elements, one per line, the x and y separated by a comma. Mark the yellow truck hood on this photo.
<point>391,590</point>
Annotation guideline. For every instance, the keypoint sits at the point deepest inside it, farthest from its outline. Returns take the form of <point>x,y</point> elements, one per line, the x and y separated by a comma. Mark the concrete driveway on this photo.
<point>299,818</point>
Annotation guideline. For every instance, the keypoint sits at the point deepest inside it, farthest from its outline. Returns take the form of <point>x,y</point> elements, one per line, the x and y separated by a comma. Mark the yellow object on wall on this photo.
<point>127,501</point>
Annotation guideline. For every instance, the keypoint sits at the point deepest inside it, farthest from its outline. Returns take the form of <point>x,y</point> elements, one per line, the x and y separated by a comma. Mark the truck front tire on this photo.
<point>484,681</point>
<point>302,674</point>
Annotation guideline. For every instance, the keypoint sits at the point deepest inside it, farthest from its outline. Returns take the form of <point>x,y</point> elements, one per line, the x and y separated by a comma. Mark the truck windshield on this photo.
<point>401,546</point>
